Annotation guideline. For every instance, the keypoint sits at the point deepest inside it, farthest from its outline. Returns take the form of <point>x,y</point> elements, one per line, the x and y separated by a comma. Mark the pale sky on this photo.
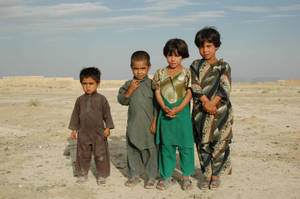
<point>57,38</point>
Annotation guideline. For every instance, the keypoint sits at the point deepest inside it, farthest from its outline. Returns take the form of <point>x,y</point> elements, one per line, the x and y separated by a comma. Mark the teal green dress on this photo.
<point>174,133</point>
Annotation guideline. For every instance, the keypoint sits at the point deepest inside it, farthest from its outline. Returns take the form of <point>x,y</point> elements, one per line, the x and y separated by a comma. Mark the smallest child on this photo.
<point>90,123</point>
<point>141,123</point>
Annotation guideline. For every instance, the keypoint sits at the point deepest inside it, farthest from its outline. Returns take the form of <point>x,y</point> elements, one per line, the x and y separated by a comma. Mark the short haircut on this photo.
<point>176,46</point>
<point>92,72</point>
<point>140,56</point>
<point>209,34</point>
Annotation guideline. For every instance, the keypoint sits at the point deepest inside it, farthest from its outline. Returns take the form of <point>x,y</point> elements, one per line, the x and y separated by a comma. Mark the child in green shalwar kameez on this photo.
<point>174,126</point>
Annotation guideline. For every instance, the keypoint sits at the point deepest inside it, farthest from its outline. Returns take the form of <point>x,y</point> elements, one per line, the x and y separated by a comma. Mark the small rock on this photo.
<point>20,185</point>
<point>63,185</point>
<point>42,188</point>
<point>287,126</point>
<point>39,165</point>
<point>6,149</point>
<point>22,178</point>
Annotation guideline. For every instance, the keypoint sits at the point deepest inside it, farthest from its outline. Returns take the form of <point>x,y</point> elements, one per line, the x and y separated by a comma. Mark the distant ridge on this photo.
<point>255,79</point>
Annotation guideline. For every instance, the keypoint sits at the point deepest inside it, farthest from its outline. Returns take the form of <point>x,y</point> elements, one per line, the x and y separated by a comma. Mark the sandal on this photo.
<point>215,183</point>
<point>187,184</point>
<point>132,182</point>
<point>165,184</point>
<point>81,180</point>
<point>101,181</point>
<point>150,184</point>
<point>204,184</point>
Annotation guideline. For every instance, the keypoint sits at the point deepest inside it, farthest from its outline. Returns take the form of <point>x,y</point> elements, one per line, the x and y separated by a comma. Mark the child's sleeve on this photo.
<point>121,95</point>
<point>225,83</point>
<point>74,121</point>
<point>107,115</point>
<point>156,81</point>
<point>195,82</point>
<point>188,79</point>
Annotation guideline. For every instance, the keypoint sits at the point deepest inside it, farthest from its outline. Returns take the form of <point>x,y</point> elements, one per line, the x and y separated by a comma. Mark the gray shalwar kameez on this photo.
<point>90,117</point>
<point>141,147</point>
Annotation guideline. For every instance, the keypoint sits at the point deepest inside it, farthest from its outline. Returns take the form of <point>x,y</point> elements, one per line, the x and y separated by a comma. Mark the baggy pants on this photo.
<point>167,160</point>
<point>101,157</point>
<point>142,161</point>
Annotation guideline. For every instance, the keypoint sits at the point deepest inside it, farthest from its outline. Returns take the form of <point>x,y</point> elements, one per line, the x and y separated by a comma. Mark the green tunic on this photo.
<point>174,131</point>
<point>142,108</point>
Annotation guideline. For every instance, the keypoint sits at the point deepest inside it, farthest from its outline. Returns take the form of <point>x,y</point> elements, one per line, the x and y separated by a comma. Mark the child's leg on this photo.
<point>134,160</point>
<point>150,162</point>
<point>83,160</point>
<point>221,158</point>
<point>167,160</point>
<point>186,161</point>
<point>101,157</point>
<point>204,154</point>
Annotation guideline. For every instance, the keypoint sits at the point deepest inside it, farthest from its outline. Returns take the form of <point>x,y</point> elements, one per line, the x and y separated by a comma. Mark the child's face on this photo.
<point>140,69</point>
<point>174,60</point>
<point>208,51</point>
<point>89,85</point>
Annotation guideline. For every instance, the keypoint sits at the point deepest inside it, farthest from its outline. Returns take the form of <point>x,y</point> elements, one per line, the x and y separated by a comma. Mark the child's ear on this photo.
<point>98,84</point>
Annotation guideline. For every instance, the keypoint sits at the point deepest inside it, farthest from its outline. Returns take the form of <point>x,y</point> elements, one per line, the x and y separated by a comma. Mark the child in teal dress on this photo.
<point>174,126</point>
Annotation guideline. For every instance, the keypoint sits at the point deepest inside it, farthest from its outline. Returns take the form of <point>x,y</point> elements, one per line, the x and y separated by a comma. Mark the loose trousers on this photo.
<point>101,157</point>
<point>141,161</point>
<point>167,160</point>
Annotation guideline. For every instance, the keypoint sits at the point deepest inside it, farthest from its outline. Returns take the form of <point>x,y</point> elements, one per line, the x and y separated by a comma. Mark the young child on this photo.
<point>141,123</point>
<point>90,113</point>
<point>212,112</point>
<point>174,127</point>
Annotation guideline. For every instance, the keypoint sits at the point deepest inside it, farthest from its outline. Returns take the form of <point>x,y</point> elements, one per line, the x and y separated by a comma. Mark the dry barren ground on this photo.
<point>36,156</point>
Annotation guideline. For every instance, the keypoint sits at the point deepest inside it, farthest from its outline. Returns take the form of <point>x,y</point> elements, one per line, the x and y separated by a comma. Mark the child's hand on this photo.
<point>153,127</point>
<point>168,112</point>
<point>133,86</point>
<point>210,107</point>
<point>74,135</point>
<point>106,132</point>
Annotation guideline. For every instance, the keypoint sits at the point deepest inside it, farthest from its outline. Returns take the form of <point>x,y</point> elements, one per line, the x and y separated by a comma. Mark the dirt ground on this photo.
<point>36,154</point>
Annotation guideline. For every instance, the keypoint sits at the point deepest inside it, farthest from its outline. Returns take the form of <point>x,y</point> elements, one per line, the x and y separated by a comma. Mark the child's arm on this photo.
<point>74,121</point>
<point>153,125</point>
<point>185,101</point>
<point>107,118</point>
<point>126,91</point>
<point>161,102</point>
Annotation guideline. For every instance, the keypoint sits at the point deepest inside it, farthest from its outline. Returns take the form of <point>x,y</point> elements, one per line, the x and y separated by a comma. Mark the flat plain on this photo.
<point>37,155</point>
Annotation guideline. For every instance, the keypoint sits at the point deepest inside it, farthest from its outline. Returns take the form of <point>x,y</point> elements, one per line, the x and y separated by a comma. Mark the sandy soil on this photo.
<point>36,154</point>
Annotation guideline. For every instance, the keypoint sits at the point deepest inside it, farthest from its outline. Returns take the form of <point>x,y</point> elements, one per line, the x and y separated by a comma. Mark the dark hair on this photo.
<point>209,34</point>
<point>92,72</point>
<point>140,56</point>
<point>177,46</point>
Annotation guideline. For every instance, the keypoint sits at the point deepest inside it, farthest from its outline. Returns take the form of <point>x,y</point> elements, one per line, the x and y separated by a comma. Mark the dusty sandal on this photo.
<point>204,184</point>
<point>101,181</point>
<point>150,184</point>
<point>81,180</point>
<point>132,182</point>
<point>186,185</point>
<point>165,184</point>
<point>215,184</point>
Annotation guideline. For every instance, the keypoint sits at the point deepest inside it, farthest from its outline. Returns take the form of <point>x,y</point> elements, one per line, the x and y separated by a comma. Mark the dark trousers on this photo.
<point>101,157</point>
